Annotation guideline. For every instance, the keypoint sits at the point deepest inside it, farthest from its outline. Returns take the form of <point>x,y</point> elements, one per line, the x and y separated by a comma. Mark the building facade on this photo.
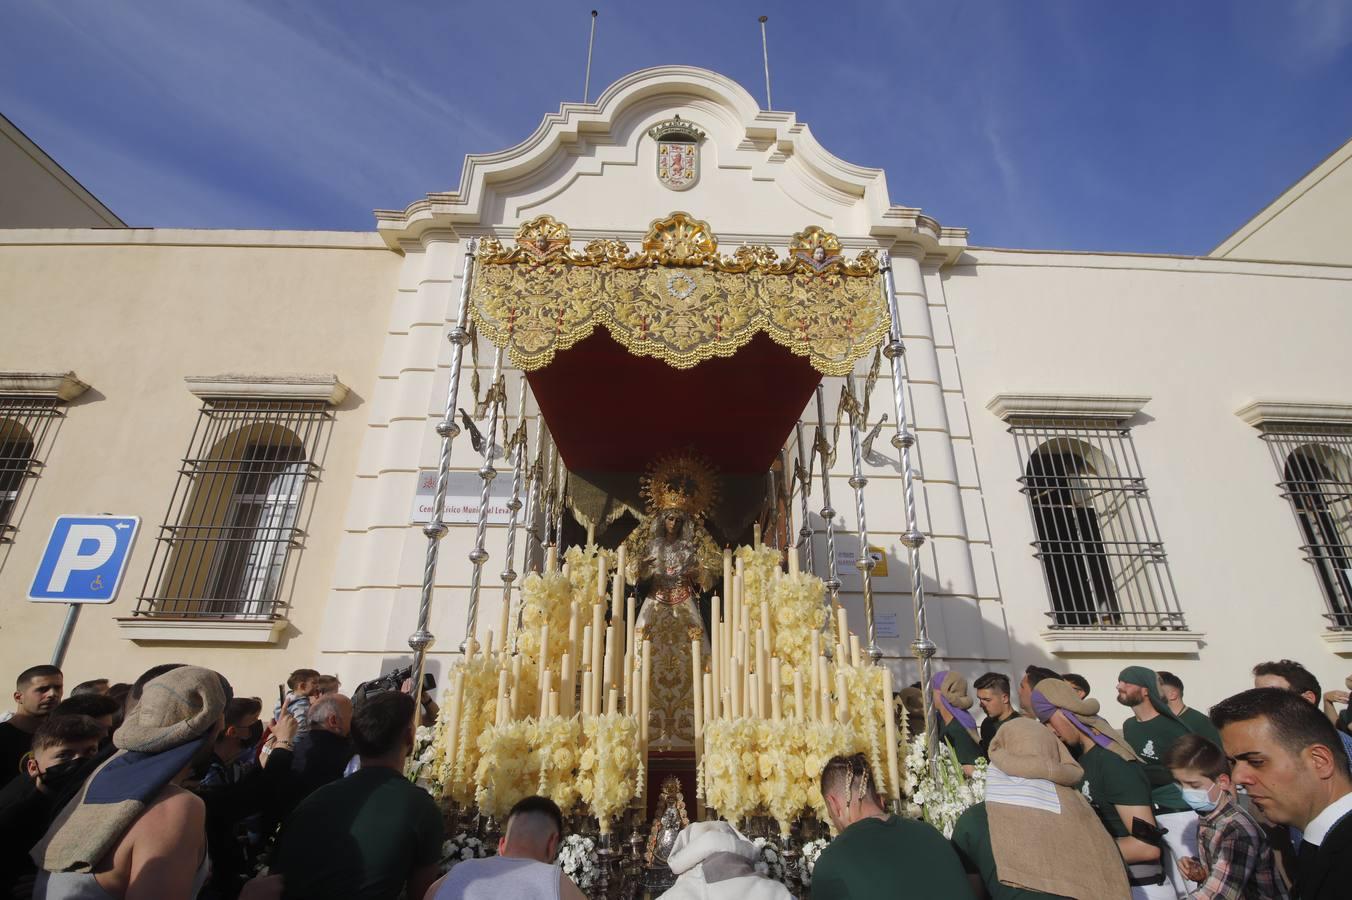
<point>1122,458</point>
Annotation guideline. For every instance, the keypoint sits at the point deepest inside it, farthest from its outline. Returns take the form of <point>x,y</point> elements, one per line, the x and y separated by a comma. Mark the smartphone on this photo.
<point>281,695</point>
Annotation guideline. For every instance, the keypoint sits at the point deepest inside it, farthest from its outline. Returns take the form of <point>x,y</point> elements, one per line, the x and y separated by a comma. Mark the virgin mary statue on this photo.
<point>673,556</point>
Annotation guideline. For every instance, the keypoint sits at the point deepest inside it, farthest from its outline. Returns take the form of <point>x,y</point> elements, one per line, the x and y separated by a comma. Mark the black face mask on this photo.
<point>255,734</point>
<point>59,775</point>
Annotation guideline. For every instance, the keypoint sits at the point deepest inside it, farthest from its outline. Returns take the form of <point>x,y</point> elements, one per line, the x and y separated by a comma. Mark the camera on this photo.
<point>393,681</point>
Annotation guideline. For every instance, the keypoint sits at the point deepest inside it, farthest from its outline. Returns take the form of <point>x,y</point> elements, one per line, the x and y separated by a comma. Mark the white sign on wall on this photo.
<point>885,625</point>
<point>462,498</point>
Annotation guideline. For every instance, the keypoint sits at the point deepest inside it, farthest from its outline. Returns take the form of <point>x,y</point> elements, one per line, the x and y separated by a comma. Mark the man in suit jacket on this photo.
<point>1289,759</point>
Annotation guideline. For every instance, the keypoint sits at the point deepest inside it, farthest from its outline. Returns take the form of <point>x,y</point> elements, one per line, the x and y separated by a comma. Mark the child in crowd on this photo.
<point>1236,859</point>
<point>300,687</point>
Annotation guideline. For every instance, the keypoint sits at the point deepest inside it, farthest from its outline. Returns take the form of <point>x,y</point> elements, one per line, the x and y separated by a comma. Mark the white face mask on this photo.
<point>1199,799</point>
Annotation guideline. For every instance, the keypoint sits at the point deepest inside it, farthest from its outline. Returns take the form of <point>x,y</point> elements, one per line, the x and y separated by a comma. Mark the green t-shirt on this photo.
<point>892,858</point>
<point>972,840</point>
<point>1151,740</point>
<point>967,749</point>
<point>989,726</point>
<point>1110,781</point>
<point>1197,721</point>
<point>359,838</point>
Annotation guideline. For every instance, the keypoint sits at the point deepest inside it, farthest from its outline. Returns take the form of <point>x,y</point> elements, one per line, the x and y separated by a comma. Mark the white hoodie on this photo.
<point>730,860</point>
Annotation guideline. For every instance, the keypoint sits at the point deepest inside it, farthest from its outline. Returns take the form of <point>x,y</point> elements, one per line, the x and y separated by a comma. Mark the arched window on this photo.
<point>24,424</point>
<point>1316,470</point>
<point>236,512</point>
<point>1096,535</point>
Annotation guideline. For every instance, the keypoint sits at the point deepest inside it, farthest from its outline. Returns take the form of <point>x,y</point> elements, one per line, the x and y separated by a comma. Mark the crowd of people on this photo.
<point>172,787</point>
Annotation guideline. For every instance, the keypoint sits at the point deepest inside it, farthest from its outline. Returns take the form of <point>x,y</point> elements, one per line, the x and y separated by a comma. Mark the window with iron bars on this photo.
<point>235,517</point>
<point>1315,466</point>
<point>25,427</point>
<point>1097,538</point>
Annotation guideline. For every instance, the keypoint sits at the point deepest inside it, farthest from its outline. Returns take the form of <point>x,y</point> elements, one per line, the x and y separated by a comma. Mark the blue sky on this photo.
<point>1151,126</point>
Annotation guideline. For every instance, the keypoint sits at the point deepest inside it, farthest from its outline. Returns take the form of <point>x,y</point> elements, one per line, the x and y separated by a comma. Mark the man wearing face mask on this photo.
<point>230,761</point>
<point>62,748</point>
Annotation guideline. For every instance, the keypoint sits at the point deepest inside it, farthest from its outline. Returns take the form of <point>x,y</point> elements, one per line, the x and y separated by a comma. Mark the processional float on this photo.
<point>675,299</point>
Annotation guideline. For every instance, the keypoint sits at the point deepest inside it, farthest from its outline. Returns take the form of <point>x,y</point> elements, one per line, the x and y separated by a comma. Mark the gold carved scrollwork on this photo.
<point>676,298</point>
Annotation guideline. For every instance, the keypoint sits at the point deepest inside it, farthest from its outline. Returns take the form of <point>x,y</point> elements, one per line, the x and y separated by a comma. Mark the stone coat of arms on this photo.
<point>677,153</point>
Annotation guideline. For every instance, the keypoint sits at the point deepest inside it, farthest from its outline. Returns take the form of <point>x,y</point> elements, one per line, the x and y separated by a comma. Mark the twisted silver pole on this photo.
<point>514,506</point>
<point>534,474</point>
<point>808,554</point>
<point>904,439</point>
<point>435,529</point>
<point>551,488</point>
<point>864,561</point>
<point>479,555</point>
<point>827,513</point>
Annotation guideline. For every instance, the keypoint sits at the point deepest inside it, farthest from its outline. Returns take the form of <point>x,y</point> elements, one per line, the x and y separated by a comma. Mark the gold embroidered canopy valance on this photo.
<point>676,298</point>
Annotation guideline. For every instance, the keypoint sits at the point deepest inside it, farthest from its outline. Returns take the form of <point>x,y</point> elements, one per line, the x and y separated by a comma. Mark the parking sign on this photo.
<point>85,559</point>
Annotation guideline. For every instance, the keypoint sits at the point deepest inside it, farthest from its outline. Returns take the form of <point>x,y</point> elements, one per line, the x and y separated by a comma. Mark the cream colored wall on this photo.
<point>35,192</point>
<point>132,319</point>
<point>1200,338</point>
<point>1309,222</point>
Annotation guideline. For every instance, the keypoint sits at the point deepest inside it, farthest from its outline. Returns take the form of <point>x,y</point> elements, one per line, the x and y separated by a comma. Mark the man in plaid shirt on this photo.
<point>1236,863</point>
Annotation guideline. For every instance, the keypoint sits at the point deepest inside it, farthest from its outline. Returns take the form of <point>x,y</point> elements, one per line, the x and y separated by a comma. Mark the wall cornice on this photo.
<point>63,386</point>
<point>1294,412</point>
<point>268,387</point>
<point>1117,407</point>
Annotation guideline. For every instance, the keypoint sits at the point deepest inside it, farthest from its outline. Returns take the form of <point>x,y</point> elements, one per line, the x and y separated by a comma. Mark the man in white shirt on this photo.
<point>524,867</point>
<point>1289,759</point>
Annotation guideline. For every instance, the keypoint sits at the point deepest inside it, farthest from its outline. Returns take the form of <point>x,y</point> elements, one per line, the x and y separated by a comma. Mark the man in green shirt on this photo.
<point>992,692</point>
<point>876,854</point>
<point>372,835</point>
<point>1171,688</point>
<point>1151,732</point>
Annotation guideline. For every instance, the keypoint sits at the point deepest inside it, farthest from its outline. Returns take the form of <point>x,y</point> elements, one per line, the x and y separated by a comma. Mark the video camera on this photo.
<point>394,681</point>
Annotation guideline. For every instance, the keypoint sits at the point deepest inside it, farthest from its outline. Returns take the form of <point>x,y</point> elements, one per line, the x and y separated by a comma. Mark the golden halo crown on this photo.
<point>681,480</point>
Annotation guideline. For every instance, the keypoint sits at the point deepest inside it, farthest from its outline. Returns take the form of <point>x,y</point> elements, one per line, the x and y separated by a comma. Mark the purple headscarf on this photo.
<point>963,717</point>
<point>1044,709</point>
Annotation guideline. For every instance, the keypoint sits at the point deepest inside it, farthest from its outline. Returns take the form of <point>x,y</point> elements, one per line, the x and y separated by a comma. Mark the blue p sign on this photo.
<point>85,559</point>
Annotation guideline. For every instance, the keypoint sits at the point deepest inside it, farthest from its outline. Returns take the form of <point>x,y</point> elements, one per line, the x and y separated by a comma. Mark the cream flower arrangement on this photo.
<point>796,605</point>
<point>556,741</point>
<point>609,769</point>
<point>508,768</point>
<point>582,573</point>
<point>731,762</point>
<point>546,599</point>
<point>478,709</point>
<point>760,564</point>
<point>941,798</point>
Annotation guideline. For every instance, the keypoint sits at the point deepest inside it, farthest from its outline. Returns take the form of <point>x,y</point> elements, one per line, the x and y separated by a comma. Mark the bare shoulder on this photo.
<point>175,808</point>
<point>568,890</point>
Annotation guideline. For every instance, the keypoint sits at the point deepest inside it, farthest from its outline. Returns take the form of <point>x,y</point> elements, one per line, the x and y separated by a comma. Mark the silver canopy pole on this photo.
<point>514,506</point>
<point>864,561</point>
<point>808,555</point>
<point>435,530</point>
<point>904,439</point>
<point>479,555</point>
<point>827,513</point>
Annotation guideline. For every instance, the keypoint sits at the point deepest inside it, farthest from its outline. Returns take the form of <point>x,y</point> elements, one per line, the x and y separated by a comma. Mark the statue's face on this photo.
<point>671,522</point>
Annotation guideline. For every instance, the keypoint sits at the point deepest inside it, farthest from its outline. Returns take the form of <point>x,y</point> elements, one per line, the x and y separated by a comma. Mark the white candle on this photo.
<point>776,699</point>
<point>500,714</point>
<point>793,562</point>
<point>842,629</point>
<point>566,682</point>
<point>587,647</point>
<point>647,687</point>
<point>453,725</point>
<point>697,682</point>
<point>504,626</point>
<point>854,650</point>
<point>756,535</point>
<point>842,699</point>
<point>601,577</point>
<point>546,682</point>
<point>708,691</point>
<point>754,692</point>
<point>587,693</point>
<point>551,558</point>
<point>542,664</point>
<point>553,703</point>
<point>798,712</point>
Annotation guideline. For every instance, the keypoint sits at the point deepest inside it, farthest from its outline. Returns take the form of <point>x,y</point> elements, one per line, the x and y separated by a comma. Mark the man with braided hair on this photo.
<point>876,854</point>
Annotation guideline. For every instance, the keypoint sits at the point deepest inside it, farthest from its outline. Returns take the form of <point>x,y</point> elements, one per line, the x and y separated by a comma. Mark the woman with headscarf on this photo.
<point>1114,780</point>
<point>959,728</point>
<point>1035,836</point>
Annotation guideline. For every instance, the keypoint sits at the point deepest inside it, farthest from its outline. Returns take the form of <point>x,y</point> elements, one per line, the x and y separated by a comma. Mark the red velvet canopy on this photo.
<point>612,411</point>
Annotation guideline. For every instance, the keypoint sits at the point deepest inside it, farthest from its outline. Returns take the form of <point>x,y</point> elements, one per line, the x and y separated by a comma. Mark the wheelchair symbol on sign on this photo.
<point>97,583</point>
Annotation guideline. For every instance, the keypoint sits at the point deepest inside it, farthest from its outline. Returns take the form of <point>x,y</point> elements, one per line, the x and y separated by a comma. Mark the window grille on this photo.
<point>25,425</point>
<point>235,515</point>
<point>1315,466</point>
<point>1097,538</point>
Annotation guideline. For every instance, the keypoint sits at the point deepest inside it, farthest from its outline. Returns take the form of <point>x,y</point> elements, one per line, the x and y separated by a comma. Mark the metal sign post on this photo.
<point>84,562</point>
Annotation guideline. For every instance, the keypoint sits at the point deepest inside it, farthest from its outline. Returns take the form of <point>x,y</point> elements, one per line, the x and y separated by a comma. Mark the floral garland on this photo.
<point>546,599</point>
<point>556,740</point>
<point>940,801</point>
<point>578,860</point>
<point>478,709</point>
<point>796,605</point>
<point>730,761</point>
<point>460,848</point>
<point>421,765</point>
<point>771,862</point>
<point>609,769</point>
<point>807,859</point>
